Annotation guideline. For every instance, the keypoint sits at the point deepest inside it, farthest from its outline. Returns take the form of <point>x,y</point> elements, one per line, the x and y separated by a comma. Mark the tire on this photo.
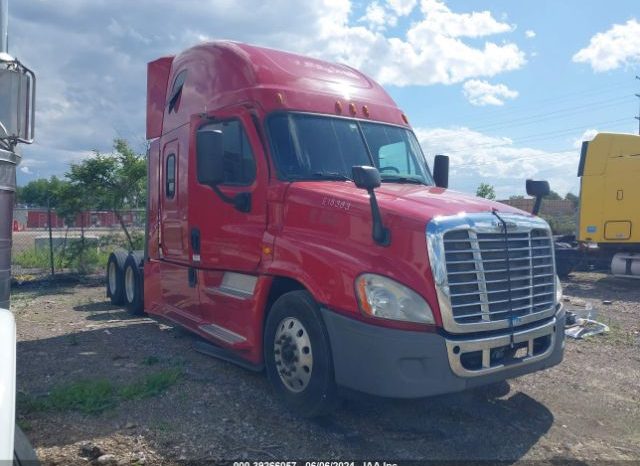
<point>115,277</point>
<point>23,453</point>
<point>302,378</point>
<point>133,287</point>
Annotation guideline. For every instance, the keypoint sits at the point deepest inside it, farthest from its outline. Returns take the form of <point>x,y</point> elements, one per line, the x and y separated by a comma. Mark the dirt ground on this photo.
<point>586,409</point>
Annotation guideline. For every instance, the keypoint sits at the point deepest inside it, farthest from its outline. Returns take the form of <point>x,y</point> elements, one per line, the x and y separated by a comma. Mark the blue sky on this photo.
<point>507,88</point>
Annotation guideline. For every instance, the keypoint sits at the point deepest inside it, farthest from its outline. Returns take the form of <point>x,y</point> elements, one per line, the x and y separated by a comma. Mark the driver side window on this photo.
<point>239,161</point>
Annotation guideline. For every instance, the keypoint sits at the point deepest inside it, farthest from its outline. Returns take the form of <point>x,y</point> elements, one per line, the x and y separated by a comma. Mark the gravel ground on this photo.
<point>587,408</point>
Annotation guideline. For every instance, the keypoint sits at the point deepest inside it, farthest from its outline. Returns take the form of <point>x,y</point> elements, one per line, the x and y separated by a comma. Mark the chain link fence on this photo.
<point>44,244</point>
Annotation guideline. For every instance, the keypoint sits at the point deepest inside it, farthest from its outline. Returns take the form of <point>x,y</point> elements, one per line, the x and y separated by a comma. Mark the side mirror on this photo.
<point>17,100</point>
<point>537,189</point>
<point>209,157</point>
<point>365,177</point>
<point>441,171</point>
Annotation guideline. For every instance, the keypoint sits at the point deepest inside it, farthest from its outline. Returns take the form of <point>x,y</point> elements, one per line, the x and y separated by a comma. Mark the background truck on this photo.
<point>294,224</point>
<point>608,235</point>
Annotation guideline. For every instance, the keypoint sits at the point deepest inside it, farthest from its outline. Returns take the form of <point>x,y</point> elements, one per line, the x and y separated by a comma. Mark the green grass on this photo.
<point>83,260</point>
<point>97,396</point>
<point>37,258</point>
<point>151,385</point>
<point>86,396</point>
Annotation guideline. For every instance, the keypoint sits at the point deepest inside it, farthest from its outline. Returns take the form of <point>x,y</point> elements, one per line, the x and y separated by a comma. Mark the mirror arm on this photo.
<point>241,201</point>
<point>537,205</point>
<point>380,233</point>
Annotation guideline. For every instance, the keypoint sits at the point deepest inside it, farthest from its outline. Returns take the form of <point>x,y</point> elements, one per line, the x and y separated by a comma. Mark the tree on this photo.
<point>553,196</point>
<point>486,190</point>
<point>41,192</point>
<point>110,181</point>
<point>575,200</point>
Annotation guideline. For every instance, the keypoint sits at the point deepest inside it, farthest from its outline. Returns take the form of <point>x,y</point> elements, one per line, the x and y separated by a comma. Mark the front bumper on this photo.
<point>406,364</point>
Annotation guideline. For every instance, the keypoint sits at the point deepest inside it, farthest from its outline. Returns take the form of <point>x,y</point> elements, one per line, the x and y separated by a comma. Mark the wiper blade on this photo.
<point>401,179</point>
<point>330,176</point>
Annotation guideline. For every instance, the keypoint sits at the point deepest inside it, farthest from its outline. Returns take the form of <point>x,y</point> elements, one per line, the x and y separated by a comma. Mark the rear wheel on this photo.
<point>297,355</point>
<point>133,287</point>
<point>115,277</point>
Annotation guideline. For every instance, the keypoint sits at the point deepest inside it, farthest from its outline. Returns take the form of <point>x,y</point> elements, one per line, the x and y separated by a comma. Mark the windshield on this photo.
<point>319,147</point>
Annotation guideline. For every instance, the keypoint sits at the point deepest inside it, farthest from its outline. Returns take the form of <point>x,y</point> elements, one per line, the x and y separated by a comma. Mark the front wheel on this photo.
<point>297,355</point>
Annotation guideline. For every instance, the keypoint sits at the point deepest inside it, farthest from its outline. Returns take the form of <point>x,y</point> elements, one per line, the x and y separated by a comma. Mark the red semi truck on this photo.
<point>294,224</point>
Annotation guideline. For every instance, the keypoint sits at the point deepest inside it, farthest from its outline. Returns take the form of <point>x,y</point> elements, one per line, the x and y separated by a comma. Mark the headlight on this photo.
<point>558,290</point>
<point>385,298</point>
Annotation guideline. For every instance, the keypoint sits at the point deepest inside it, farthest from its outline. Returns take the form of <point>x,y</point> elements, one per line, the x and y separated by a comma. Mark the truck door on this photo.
<point>230,239</point>
<point>179,291</point>
<point>171,220</point>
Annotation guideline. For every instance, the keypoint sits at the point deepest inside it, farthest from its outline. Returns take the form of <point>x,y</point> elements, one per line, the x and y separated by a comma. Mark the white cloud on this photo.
<point>26,170</point>
<point>588,135</point>
<point>402,7</point>
<point>480,158</point>
<point>439,19</point>
<point>91,57</point>
<point>377,17</point>
<point>483,93</point>
<point>530,34</point>
<point>618,46</point>
<point>431,52</point>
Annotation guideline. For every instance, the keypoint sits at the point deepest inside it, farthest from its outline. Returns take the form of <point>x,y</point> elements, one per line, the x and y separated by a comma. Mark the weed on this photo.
<point>618,335</point>
<point>151,360</point>
<point>24,425</point>
<point>87,396</point>
<point>81,258</point>
<point>97,396</point>
<point>29,404</point>
<point>151,385</point>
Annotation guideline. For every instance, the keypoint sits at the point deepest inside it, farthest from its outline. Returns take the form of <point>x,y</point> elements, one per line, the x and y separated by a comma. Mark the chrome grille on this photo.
<point>478,277</point>
<point>480,285</point>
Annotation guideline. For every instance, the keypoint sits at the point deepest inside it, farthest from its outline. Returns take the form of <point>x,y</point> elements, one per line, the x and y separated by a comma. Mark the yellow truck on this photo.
<point>609,212</point>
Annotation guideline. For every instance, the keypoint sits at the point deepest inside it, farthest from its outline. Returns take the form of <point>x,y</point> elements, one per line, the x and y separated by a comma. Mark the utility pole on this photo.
<point>17,105</point>
<point>638,117</point>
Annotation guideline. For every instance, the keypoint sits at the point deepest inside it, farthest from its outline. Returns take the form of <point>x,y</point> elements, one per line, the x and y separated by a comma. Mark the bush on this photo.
<point>561,224</point>
<point>80,258</point>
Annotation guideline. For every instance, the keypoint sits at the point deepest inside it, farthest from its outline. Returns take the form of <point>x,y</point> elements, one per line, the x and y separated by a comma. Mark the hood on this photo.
<point>415,201</point>
<point>7,384</point>
<point>327,227</point>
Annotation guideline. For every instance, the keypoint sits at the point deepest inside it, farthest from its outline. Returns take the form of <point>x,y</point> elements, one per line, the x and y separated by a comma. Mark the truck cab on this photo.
<point>294,223</point>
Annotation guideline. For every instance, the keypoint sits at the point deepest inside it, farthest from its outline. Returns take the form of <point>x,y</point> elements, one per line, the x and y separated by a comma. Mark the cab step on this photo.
<point>209,349</point>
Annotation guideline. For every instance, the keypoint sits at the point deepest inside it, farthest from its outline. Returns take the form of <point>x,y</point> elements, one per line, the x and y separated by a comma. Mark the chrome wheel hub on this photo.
<point>293,356</point>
